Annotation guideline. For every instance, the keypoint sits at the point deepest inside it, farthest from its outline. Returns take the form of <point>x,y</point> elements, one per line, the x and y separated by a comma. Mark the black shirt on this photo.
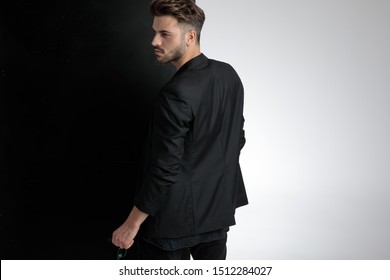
<point>173,244</point>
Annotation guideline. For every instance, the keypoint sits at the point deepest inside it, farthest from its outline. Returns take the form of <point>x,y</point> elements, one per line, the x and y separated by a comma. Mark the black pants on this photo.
<point>215,250</point>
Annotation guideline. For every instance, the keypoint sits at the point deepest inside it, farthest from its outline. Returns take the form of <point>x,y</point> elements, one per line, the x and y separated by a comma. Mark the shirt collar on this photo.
<point>194,62</point>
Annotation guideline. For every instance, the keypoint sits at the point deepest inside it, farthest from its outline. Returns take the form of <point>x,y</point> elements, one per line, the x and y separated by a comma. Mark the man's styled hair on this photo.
<point>184,11</point>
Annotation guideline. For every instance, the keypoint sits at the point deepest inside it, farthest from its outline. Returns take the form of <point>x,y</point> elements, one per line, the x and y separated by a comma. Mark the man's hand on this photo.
<point>124,236</point>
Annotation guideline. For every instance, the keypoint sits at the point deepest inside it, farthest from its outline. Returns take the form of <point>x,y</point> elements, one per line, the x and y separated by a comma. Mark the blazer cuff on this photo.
<point>145,207</point>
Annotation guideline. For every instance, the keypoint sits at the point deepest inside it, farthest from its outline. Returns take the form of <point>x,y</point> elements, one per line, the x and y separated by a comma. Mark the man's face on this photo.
<point>168,41</point>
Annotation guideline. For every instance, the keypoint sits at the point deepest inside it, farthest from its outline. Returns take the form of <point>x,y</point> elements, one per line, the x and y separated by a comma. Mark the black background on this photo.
<point>77,82</point>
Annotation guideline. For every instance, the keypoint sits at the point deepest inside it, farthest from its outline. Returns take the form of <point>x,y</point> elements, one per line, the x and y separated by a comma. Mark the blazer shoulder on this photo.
<point>221,65</point>
<point>224,67</point>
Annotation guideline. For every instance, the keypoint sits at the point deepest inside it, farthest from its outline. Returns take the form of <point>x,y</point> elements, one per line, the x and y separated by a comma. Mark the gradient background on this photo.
<point>78,77</point>
<point>317,159</point>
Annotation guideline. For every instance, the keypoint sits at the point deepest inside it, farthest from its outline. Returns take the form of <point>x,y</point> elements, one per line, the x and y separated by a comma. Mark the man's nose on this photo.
<point>156,42</point>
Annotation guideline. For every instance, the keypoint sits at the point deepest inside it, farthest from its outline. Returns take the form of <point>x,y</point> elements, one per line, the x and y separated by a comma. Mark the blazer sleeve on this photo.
<point>171,121</point>
<point>242,135</point>
<point>241,104</point>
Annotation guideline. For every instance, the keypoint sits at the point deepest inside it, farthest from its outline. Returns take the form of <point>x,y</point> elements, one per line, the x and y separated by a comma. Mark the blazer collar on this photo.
<point>192,63</point>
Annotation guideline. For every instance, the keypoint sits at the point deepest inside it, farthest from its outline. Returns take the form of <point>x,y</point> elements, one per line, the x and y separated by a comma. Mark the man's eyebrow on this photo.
<point>162,31</point>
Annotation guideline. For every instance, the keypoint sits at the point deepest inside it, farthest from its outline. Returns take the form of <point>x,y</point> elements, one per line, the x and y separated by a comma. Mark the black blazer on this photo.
<point>194,183</point>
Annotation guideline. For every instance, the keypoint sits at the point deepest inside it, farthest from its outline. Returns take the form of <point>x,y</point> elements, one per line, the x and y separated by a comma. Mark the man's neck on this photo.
<point>187,57</point>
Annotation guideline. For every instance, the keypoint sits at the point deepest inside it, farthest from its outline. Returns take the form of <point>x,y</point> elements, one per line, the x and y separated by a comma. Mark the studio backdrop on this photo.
<point>317,107</point>
<point>77,81</point>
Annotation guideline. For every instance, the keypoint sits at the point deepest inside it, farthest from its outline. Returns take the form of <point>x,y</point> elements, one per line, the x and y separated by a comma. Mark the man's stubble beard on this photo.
<point>173,56</point>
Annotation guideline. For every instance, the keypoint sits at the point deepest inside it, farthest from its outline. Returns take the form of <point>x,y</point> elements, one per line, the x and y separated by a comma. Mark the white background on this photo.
<point>317,107</point>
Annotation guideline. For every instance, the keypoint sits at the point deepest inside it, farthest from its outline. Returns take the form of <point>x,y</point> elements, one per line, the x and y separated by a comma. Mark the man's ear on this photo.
<point>191,37</point>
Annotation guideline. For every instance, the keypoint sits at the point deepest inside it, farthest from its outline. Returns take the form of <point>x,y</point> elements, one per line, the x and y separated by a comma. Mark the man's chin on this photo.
<point>167,59</point>
<point>162,61</point>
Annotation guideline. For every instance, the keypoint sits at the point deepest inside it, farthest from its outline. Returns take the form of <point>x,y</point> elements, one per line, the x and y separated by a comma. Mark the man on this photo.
<point>194,184</point>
